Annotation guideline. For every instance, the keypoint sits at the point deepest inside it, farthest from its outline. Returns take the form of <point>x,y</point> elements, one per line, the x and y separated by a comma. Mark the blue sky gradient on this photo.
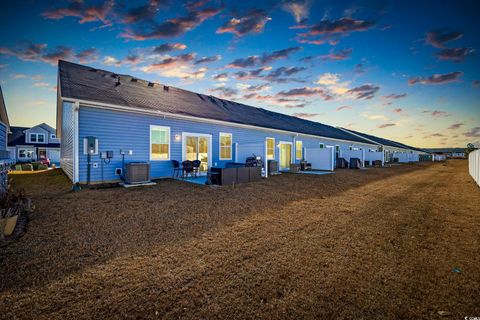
<point>405,70</point>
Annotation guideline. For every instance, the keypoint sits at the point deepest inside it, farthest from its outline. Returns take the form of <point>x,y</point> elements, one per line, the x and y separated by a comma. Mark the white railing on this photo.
<point>474,165</point>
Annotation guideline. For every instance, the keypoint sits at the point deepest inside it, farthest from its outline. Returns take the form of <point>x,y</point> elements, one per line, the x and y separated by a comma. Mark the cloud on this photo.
<point>332,30</point>
<point>434,135</point>
<point>328,79</point>
<point>398,110</point>
<point>436,113</point>
<point>253,22</point>
<point>168,47</point>
<point>87,55</point>
<point>437,78</point>
<point>473,133</point>
<point>454,54</point>
<point>3,65</point>
<point>38,52</point>
<point>251,74</point>
<point>266,58</point>
<point>142,13</point>
<point>374,117</point>
<point>305,115</point>
<point>208,59</point>
<point>298,8</point>
<point>282,74</point>
<point>456,126</point>
<point>172,27</point>
<point>224,92</point>
<point>41,84</point>
<point>344,108</point>
<point>181,66</point>
<point>343,54</point>
<point>386,125</point>
<point>439,38</point>
<point>251,87</point>
<point>80,10</point>
<point>366,91</point>
<point>395,96</point>
<point>222,77</point>
<point>18,76</point>
<point>306,92</point>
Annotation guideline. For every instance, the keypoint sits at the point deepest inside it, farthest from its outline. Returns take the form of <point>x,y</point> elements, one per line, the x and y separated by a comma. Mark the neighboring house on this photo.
<point>449,153</point>
<point>4,129</point>
<point>32,144</point>
<point>391,149</point>
<point>149,122</point>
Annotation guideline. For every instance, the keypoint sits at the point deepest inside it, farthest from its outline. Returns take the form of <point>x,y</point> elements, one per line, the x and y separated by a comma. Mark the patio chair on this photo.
<point>196,167</point>
<point>176,168</point>
<point>187,168</point>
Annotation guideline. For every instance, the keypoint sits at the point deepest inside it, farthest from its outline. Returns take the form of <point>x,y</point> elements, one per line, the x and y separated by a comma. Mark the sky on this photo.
<point>403,70</point>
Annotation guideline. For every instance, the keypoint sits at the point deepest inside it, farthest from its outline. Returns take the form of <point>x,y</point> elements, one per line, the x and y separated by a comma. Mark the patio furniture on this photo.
<point>176,168</point>
<point>294,168</point>
<point>187,168</point>
<point>304,166</point>
<point>272,167</point>
<point>196,167</point>
<point>228,176</point>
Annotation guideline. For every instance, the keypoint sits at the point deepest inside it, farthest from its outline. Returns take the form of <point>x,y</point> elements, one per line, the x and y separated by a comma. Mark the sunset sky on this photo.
<point>404,70</point>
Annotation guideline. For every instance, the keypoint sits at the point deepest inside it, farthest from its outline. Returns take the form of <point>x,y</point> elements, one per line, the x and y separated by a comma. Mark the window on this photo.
<point>52,136</point>
<point>225,146</point>
<point>159,143</point>
<point>22,153</point>
<point>270,148</point>
<point>37,137</point>
<point>350,148</point>
<point>298,150</point>
<point>337,148</point>
<point>322,146</point>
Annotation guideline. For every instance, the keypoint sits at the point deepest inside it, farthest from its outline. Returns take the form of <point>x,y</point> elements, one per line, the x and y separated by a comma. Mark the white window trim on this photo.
<point>36,137</point>
<point>220,145</point>
<point>169,142</point>
<point>296,141</point>
<point>266,147</point>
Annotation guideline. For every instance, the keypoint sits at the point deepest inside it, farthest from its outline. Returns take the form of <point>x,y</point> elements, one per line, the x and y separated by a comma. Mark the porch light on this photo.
<point>177,137</point>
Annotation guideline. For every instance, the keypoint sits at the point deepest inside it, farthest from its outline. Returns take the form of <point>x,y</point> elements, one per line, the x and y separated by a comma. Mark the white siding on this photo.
<point>67,149</point>
<point>474,165</point>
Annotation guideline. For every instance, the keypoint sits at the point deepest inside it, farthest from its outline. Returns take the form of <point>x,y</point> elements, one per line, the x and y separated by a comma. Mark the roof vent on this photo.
<point>166,88</point>
<point>151,84</point>
<point>134,80</point>
<point>118,82</point>
<point>114,75</point>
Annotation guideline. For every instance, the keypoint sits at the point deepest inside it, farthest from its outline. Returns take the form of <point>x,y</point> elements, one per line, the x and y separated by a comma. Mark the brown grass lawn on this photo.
<point>370,244</point>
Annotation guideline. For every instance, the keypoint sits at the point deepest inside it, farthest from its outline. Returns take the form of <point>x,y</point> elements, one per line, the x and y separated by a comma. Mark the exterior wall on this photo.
<point>67,148</point>
<point>3,137</point>
<point>474,165</point>
<point>131,131</point>
<point>36,130</point>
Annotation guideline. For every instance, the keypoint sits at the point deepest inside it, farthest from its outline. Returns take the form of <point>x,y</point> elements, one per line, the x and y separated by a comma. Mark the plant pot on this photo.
<point>8,225</point>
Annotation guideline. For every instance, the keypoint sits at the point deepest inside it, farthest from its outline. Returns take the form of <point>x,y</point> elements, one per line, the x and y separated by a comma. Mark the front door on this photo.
<point>285,156</point>
<point>196,147</point>
<point>42,154</point>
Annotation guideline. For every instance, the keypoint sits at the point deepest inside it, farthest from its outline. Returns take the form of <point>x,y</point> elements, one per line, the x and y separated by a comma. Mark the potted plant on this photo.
<point>14,207</point>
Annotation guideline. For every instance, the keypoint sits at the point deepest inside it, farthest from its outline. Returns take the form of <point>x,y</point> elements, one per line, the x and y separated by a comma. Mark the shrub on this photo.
<point>42,167</point>
<point>35,165</point>
<point>27,167</point>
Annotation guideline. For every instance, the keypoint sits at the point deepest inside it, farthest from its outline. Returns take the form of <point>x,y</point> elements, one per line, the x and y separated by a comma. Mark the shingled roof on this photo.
<point>94,85</point>
<point>383,141</point>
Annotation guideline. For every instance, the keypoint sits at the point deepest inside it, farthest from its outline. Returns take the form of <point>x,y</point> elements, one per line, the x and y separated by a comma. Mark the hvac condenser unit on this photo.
<point>137,172</point>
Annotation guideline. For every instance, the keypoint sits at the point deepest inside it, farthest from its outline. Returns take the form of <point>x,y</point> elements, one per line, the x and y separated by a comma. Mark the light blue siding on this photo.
<point>3,137</point>
<point>131,131</point>
<point>67,156</point>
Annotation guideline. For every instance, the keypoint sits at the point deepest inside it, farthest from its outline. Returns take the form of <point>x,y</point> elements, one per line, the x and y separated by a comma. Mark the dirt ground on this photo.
<point>383,243</point>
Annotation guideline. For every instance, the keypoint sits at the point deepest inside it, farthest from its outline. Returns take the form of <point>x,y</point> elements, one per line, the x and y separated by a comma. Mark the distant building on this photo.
<point>32,144</point>
<point>4,129</point>
<point>449,153</point>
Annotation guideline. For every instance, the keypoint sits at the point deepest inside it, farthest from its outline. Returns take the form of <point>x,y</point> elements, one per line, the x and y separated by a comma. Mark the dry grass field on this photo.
<point>381,243</point>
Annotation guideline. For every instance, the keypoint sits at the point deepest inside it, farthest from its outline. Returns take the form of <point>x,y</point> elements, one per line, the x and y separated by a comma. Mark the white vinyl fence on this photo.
<point>321,159</point>
<point>439,157</point>
<point>374,155</point>
<point>348,154</point>
<point>474,165</point>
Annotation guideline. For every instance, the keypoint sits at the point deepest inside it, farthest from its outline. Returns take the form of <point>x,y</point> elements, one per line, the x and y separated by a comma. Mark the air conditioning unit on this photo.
<point>137,172</point>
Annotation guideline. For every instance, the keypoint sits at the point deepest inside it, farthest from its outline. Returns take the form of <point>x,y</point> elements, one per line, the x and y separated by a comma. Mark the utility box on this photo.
<point>90,145</point>
<point>137,172</point>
